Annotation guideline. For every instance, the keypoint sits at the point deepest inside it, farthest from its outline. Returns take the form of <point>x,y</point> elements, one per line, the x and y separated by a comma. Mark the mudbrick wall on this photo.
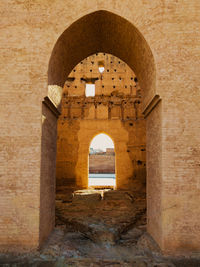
<point>102,163</point>
<point>117,101</point>
<point>48,170</point>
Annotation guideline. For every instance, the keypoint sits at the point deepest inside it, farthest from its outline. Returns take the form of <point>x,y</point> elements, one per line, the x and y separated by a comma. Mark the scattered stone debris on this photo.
<point>99,228</point>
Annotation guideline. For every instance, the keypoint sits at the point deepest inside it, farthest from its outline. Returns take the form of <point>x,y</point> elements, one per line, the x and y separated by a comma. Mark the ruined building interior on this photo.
<point>115,109</point>
<point>73,70</point>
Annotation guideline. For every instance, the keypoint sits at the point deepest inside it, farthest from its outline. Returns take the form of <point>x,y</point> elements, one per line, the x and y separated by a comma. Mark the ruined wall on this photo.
<point>115,109</point>
<point>102,163</point>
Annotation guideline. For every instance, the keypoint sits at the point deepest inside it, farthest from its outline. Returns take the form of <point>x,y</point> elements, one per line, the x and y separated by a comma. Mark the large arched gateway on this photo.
<point>103,31</point>
<point>158,45</point>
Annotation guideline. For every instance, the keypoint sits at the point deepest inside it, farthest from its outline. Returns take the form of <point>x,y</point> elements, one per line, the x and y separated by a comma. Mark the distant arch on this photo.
<point>104,133</point>
<point>102,162</point>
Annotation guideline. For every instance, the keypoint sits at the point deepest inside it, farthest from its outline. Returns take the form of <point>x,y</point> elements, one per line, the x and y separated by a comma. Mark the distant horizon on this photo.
<point>99,149</point>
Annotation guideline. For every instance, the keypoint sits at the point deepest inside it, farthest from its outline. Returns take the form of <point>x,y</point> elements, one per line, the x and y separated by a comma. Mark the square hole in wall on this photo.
<point>89,89</point>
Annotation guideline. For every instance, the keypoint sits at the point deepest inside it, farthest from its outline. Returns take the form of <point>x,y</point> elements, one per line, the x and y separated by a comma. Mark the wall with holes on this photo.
<point>115,109</point>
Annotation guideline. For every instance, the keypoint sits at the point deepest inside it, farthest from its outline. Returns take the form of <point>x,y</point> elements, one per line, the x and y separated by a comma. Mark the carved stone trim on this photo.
<point>49,104</point>
<point>156,99</point>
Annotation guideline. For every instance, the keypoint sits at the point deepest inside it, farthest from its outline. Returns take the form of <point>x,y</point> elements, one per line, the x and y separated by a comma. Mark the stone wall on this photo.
<point>102,163</point>
<point>48,170</point>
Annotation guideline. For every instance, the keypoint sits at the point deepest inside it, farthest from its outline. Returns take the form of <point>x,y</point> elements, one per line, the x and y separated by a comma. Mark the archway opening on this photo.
<point>101,173</point>
<point>112,34</point>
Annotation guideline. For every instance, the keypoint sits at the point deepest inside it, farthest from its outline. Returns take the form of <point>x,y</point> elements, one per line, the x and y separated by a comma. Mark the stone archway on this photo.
<point>28,167</point>
<point>110,33</point>
<point>120,139</point>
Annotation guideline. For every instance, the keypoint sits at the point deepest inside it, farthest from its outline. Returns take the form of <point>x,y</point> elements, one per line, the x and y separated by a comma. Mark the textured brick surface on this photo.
<point>48,173</point>
<point>102,163</point>
<point>154,173</point>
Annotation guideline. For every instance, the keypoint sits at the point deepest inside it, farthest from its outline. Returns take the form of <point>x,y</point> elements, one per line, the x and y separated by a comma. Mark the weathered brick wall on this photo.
<point>154,168</point>
<point>102,163</point>
<point>48,172</point>
<point>20,133</point>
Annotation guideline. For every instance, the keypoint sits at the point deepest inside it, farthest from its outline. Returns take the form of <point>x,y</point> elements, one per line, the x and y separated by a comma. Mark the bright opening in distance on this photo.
<point>101,69</point>
<point>102,141</point>
<point>102,167</point>
<point>89,89</point>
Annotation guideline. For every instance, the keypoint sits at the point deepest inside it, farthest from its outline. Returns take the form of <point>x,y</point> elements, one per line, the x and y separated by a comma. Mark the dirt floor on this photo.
<point>99,228</point>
